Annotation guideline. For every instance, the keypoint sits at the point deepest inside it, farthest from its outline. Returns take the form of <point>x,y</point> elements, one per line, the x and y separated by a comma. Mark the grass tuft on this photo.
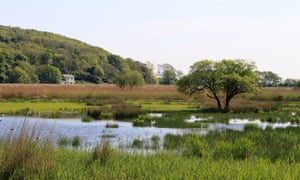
<point>25,156</point>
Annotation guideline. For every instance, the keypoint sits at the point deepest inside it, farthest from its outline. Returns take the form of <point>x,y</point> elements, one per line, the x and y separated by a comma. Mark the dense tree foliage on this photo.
<point>24,52</point>
<point>130,78</point>
<point>226,78</point>
<point>49,74</point>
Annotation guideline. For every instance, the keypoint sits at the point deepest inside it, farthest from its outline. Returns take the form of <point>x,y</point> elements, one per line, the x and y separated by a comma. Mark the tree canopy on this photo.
<point>19,47</point>
<point>226,78</point>
<point>130,78</point>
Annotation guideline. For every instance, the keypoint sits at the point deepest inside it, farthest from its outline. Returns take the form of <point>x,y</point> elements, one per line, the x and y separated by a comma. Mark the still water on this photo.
<point>93,132</point>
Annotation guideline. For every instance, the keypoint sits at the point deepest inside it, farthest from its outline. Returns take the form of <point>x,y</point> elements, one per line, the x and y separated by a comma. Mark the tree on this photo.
<point>131,79</point>
<point>168,74</point>
<point>269,79</point>
<point>121,81</point>
<point>149,76</point>
<point>226,78</point>
<point>49,74</point>
<point>188,85</point>
<point>290,82</point>
<point>135,79</point>
<point>19,75</point>
<point>169,77</point>
<point>96,73</point>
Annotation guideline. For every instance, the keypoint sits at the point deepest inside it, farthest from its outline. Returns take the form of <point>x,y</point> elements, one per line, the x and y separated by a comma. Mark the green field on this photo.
<point>41,108</point>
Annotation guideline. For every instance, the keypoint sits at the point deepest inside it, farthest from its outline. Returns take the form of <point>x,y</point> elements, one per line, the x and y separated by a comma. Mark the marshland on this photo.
<point>148,132</point>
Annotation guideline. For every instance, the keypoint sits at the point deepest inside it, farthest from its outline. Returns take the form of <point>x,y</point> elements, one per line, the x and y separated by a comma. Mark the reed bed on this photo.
<point>80,91</point>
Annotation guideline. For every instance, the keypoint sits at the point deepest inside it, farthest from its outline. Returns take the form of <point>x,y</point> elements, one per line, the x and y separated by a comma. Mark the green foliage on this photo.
<point>18,75</point>
<point>225,78</point>
<point>135,79</point>
<point>87,63</point>
<point>169,77</point>
<point>130,78</point>
<point>49,74</point>
<point>86,119</point>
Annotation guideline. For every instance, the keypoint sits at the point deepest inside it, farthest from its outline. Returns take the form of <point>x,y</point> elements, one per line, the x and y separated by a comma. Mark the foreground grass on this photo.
<point>72,165</point>
<point>23,155</point>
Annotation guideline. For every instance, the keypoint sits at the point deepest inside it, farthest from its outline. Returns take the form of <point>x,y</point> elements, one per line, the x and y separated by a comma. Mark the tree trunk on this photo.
<point>227,104</point>
<point>218,102</point>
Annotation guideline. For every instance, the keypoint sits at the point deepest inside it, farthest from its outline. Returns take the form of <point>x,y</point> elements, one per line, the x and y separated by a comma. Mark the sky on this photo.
<point>177,32</point>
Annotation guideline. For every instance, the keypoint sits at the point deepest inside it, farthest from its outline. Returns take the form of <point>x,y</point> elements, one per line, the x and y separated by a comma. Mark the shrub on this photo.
<point>94,112</point>
<point>126,111</point>
<point>86,119</point>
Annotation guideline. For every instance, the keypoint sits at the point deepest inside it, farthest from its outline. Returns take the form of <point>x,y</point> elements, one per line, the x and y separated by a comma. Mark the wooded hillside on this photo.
<point>31,56</point>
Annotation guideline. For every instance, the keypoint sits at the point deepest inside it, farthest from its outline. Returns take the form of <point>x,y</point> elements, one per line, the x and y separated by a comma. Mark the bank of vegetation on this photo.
<point>31,56</point>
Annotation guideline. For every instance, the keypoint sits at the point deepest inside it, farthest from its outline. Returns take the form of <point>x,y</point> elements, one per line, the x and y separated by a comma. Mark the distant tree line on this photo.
<point>271,79</point>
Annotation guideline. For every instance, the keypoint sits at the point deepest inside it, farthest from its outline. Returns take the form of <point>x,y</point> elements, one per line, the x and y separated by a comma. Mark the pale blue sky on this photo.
<point>178,32</point>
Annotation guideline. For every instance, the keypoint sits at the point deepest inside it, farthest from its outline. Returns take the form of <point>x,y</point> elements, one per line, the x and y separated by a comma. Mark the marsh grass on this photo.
<point>63,141</point>
<point>111,125</point>
<point>76,141</point>
<point>89,91</point>
<point>126,111</point>
<point>25,156</point>
<point>86,119</point>
<point>103,152</point>
<point>42,108</point>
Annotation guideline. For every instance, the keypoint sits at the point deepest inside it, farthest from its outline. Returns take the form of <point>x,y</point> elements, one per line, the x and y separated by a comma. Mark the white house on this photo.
<point>68,79</point>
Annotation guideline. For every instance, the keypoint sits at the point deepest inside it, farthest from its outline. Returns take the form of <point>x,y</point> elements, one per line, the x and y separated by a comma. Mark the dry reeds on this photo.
<point>90,91</point>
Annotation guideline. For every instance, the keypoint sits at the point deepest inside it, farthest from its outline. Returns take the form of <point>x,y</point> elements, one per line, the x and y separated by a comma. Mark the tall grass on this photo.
<point>24,156</point>
<point>79,91</point>
<point>168,165</point>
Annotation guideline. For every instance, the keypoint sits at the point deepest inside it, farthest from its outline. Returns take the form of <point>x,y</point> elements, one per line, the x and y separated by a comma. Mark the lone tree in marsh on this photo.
<point>226,78</point>
<point>130,78</point>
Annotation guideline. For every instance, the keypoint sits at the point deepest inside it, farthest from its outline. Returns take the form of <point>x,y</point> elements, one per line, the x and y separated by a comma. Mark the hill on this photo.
<point>31,56</point>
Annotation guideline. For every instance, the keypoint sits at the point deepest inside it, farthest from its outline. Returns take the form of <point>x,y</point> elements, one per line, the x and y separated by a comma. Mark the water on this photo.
<point>92,133</point>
